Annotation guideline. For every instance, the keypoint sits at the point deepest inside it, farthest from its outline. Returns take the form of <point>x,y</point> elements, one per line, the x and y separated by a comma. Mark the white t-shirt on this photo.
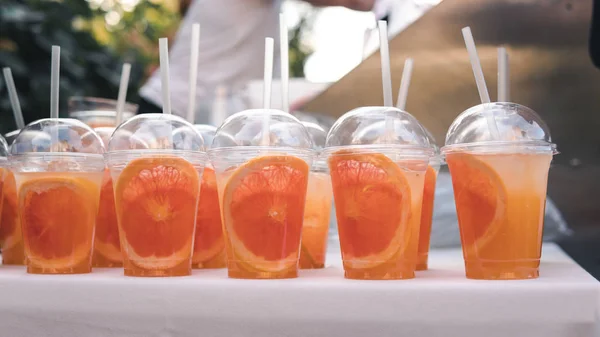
<point>232,38</point>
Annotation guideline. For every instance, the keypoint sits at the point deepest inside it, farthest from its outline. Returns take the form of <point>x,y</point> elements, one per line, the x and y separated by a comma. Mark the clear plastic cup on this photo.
<point>209,244</point>
<point>156,163</point>
<point>377,159</point>
<point>58,165</point>
<point>500,189</point>
<point>99,112</point>
<point>262,191</point>
<point>107,247</point>
<point>428,204</point>
<point>11,237</point>
<point>317,211</point>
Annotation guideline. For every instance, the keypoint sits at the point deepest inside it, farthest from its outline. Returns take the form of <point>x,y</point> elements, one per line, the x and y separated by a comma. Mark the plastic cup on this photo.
<point>4,171</point>
<point>107,247</point>
<point>156,163</point>
<point>317,211</point>
<point>500,189</point>
<point>428,204</point>
<point>262,191</point>
<point>99,112</point>
<point>377,159</point>
<point>57,165</point>
<point>209,243</point>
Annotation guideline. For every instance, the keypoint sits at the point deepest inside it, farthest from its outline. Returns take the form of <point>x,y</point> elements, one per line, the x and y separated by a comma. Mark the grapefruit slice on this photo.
<point>373,207</point>
<point>263,209</point>
<point>58,214</point>
<point>107,231</point>
<point>480,197</point>
<point>156,200</point>
<point>209,240</point>
<point>10,229</point>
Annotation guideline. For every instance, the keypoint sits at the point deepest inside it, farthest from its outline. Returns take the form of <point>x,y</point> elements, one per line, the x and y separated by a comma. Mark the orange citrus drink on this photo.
<point>58,214</point>
<point>11,238</point>
<point>262,204</point>
<point>378,208</point>
<point>156,201</point>
<point>427,215</point>
<point>107,248</point>
<point>315,227</point>
<point>209,244</point>
<point>500,200</point>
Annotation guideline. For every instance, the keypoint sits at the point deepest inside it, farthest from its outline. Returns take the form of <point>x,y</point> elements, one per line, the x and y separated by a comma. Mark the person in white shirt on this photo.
<point>231,47</point>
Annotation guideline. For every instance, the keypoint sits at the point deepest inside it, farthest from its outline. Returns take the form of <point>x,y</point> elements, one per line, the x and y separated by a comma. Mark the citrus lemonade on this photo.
<point>107,248</point>
<point>209,244</point>
<point>378,209</point>
<point>11,238</point>
<point>315,227</point>
<point>500,200</point>
<point>58,214</point>
<point>427,216</point>
<point>262,203</point>
<point>156,200</point>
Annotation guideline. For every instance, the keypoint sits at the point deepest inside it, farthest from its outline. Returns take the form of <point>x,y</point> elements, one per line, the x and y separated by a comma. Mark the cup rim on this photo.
<point>528,146</point>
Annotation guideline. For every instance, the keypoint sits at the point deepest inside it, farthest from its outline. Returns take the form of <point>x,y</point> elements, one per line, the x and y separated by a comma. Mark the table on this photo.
<point>564,301</point>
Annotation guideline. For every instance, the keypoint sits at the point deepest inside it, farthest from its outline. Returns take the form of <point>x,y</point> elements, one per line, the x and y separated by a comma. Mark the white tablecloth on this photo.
<point>564,301</point>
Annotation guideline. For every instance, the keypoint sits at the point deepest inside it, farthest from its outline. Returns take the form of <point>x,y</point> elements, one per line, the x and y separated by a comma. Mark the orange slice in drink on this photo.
<point>209,240</point>
<point>263,209</point>
<point>10,229</point>
<point>373,206</point>
<point>427,210</point>
<point>156,201</point>
<point>480,197</point>
<point>107,231</point>
<point>58,214</point>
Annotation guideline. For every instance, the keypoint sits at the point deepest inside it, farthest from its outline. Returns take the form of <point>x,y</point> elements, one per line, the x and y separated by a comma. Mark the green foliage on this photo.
<point>90,66</point>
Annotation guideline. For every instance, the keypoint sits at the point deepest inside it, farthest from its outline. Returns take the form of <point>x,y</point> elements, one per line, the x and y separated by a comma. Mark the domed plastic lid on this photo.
<point>369,127</point>
<point>11,136</point>
<point>208,133</point>
<point>57,135</point>
<point>151,132</point>
<point>317,134</point>
<point>105,132</point>
<point>3,151</point>
<point>245,129</point>
<point>437,158</point>
<point>519,129</point>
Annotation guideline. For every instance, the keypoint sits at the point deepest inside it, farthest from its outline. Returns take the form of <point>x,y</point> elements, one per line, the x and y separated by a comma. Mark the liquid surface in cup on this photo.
<point>107,248</point>
<point>209,244</point>
<point>500,200</point>
<point>11,237</point>
<point>426,217</point>
<point>263,210</point>
<point>58,213</point>
<point>316,221</point>
<point>156,200</point>
<point>378,209</point>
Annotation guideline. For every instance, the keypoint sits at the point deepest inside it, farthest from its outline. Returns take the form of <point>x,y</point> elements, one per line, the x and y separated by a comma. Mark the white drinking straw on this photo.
<point>479,79</point>
<point>191,113</point>
<point>54,81</point>
<point>385,65</point>
<point>503,76</point>
<point>285,63</point>
<point>122,92</point>
<point>404,84</point>
<point>163,46</point>
<point>14,98</point>
<point>268,78</point>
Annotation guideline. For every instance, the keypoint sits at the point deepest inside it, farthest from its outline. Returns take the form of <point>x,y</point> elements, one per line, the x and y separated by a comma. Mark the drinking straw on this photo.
<point>479,79</point>
<point>163,46</point>
<point>219,108</point>
<point>404,84</point>
<point>285,63</point>
<point>385,64</point>
<point>503,75</point>
<point>193,73</point>
<point>122,92</point>
<point>54,81</point>
<point>268,77</point>
<point>14,98</point>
